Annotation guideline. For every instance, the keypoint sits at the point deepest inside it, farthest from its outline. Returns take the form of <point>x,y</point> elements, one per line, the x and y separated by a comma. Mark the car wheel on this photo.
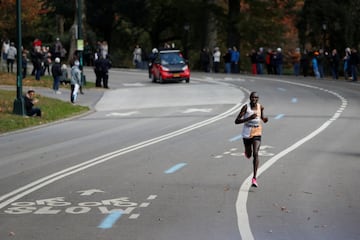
<point>161,80</point>
<point>187,80</point>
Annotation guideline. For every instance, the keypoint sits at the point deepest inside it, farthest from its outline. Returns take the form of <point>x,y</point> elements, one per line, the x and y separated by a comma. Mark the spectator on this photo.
<point>11,55</point>
<point>227,61</point>
<point>304,63</point>
<point>295,59</point>
<point>152,57</point>
<point>56,73</point>
<point>58,48</point>
<point>46,60</point>
<point>216,57</point>
<point>269,61</point>
<point>38,61</point>
<point>137,53</point>
<point>253,60</point>
<point>315,66</point>
<point>235,60</point>
<point>347,67</point>
<point>75,81</point>
<point>30,101</point>
<point>205,60</point>
<point>24,63</point>
<point>97,71</point>
<point>4,51</point>
<point>354,62</point>
<point>260,61</point>
<point>64,78</point>
<point>321,63</point>
<point>334,64</point>
<point>104,49</point>
<point>278,60</point>
<point>105,66</point>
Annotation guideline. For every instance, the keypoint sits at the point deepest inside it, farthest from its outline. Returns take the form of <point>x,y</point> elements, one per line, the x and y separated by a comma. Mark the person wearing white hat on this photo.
<point>56,73</point>
<point>278,60</point>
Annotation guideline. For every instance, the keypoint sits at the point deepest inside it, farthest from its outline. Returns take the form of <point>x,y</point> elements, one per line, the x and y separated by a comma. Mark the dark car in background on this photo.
<point>170,65</point>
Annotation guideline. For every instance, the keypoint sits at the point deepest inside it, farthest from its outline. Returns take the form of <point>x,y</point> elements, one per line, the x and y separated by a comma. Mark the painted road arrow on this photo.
<point>89,192</point>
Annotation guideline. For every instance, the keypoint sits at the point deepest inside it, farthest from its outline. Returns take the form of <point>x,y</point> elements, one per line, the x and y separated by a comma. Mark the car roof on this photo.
<point>169,51</point>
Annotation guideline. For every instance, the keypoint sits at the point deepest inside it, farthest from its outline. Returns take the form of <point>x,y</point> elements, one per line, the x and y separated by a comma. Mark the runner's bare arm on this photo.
<point>240,118</point>
<point>265,119</point>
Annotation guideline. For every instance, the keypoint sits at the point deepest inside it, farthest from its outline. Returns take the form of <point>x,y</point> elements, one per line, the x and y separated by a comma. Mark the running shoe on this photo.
<point>254,182</point>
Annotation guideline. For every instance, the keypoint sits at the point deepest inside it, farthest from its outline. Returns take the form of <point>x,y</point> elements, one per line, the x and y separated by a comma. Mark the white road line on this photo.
<point>241,209</point>
<point>42,182</point>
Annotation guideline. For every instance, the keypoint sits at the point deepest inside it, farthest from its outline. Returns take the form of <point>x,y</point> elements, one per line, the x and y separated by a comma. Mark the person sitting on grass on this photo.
<point>30,101</point>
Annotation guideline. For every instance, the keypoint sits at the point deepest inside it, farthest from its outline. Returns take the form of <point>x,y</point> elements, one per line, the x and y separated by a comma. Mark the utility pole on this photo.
<point>19,101</point>
<point>80,41</point>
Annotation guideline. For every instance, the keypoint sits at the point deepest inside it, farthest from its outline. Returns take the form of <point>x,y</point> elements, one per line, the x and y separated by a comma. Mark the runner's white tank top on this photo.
<point>253,127</point>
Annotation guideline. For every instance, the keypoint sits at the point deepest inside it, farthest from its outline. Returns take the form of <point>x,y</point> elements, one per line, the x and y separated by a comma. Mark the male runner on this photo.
<point>251,114</point>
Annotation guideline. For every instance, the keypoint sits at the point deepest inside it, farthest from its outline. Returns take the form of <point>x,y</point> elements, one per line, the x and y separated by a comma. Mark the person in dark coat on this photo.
<point>56,73</point>
<point>30,101</point>
<point>97,70</point>
<point>102,66</point>
<point>105,66</point>
<point>334,63</point>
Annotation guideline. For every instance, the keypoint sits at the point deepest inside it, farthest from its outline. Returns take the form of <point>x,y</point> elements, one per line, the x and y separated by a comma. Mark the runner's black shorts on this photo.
<point>251,140</point>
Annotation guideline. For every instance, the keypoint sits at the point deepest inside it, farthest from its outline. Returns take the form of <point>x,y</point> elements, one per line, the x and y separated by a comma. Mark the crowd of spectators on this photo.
<point>318,62</point>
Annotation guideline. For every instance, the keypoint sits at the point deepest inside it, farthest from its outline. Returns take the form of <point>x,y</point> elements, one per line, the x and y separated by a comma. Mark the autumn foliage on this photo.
<point>30,10</point>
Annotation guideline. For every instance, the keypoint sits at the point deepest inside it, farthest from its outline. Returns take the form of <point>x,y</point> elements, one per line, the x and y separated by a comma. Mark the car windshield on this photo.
<point>171,58</point>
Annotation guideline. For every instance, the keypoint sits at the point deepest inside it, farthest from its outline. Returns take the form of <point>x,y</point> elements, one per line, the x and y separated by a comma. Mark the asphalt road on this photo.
<point>164,161</point>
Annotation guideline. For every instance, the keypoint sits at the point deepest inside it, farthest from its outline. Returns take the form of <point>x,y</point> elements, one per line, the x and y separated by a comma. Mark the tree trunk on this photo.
<point>233,27</point>
<point>211,39</point>
<point>60,21</point>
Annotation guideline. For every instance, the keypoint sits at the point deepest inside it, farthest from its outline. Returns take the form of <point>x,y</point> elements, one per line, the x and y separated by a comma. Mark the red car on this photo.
<point>170,65</point>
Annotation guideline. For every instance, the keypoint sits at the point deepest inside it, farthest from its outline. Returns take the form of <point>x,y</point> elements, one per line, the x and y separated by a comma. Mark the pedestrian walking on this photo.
<point>75,81</point>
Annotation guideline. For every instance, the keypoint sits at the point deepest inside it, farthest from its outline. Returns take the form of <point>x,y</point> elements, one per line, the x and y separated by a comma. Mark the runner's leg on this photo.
<point>256,147</point>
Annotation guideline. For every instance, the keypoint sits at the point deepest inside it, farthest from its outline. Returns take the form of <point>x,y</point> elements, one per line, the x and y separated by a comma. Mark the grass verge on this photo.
<point>52,109</point>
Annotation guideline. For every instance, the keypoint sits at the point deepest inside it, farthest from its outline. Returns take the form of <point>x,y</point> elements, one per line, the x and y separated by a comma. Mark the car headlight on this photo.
<point>185,68</point>
<point>165,68</point>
